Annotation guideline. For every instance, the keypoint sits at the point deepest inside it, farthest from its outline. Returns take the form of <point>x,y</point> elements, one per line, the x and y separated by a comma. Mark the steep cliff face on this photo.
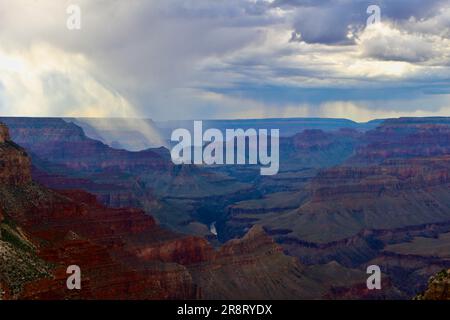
<point>18,262</point>
<point>14,163</point>
<point>66,144</point>
<point>391,176</point>
<point>46,231</point>
<point>405,138</point>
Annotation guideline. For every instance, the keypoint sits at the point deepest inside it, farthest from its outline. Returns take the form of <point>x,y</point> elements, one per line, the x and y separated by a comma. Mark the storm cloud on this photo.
<point>168,59</point>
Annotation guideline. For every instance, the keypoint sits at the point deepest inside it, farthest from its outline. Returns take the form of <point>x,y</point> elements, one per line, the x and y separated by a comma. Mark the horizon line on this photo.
<point>229,119</point>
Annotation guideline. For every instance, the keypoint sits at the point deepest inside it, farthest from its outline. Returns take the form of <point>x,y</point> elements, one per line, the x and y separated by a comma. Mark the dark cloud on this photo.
<point>301,3</point>
<point>327,21</point>
<point>327,25</point>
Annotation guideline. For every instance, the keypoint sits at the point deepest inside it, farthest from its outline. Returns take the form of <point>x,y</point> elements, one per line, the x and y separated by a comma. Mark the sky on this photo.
<point>206,59</point>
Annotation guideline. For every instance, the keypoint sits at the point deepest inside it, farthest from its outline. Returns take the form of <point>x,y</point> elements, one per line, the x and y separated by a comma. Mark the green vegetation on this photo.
<point>9,233</point>
<point>18,261</point>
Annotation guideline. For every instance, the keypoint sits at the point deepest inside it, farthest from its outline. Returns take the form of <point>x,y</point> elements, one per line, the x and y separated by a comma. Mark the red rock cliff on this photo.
<point>15,166</point>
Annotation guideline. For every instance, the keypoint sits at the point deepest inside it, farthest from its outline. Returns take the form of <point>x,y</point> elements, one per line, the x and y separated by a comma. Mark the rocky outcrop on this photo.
<point>253,267</point>
<point>438,287</point>
<point>15,165</point>
<point>185,251</point>
<point>4,133</point>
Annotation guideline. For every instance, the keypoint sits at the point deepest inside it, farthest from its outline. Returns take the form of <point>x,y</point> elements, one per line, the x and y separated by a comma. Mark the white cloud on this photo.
<point>438,24</point>
<point>37,82</point>
<point>383,41</point>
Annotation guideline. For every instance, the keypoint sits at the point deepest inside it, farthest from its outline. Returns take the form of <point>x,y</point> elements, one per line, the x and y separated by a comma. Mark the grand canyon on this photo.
<point>348,195</point>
